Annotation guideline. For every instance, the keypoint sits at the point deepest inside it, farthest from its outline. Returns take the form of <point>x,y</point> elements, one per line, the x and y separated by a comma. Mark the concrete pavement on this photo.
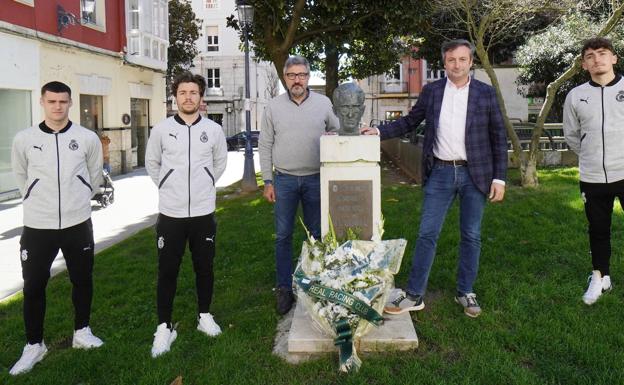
<point>135,208</point>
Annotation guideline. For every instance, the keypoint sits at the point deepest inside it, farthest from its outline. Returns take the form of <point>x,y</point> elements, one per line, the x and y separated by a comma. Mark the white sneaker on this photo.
<point>597,286</point>
<point>206,324</point>
<point>163,338</point>
<point>84,339</point>
<point>30,356</point>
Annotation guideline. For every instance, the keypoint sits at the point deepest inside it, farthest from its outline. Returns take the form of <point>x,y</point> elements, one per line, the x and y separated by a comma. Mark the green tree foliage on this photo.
<point>547,55</point>
<point>341,38</point>
<point>184,30</point>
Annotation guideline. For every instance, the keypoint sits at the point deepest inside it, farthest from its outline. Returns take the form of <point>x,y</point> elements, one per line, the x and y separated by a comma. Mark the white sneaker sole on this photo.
<point>398,310</point>
<point>80,345</point>
<point>38,359</point>
<point>174,335</point>
<point>592,300</point>
<point>208,333</point>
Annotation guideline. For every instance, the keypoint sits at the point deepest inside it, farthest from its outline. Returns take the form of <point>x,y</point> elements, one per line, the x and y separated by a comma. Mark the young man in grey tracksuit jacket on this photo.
<point>57,165</point>
<point>185,156</point>
<point>593,125</point>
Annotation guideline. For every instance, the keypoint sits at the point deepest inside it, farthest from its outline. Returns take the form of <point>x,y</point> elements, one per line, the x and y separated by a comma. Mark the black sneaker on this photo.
<point>404,302</point>
<point>285,300</point>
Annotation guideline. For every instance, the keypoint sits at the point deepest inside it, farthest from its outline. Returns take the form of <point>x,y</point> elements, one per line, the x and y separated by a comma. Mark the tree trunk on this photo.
<point>331,69</point>
<point>528,173</point>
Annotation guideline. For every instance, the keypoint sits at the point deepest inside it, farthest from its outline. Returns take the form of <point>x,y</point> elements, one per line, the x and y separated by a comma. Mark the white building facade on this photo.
<point>221,61</point>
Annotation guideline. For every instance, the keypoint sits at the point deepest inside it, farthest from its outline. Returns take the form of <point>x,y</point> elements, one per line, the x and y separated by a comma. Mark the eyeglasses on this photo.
<point>300,75</point>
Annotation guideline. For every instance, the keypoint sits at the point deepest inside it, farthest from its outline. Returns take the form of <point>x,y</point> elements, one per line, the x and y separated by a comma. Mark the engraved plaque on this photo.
<point>351,206</point>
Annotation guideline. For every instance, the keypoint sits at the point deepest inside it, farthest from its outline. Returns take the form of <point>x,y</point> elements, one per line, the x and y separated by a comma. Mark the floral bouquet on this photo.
<point>345,286</point>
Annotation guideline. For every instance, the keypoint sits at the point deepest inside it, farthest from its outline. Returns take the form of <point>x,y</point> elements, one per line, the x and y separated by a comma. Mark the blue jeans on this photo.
<point>443,185</point>
<point>289,191</point>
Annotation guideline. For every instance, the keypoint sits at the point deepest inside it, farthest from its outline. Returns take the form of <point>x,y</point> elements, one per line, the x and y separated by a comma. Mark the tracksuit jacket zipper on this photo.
<point>604,166</point>
<point>58,177</point>
<point>189,170</point>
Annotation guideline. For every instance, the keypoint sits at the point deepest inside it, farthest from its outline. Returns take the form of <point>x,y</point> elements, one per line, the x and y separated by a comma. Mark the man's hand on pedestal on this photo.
<point>369,130</point>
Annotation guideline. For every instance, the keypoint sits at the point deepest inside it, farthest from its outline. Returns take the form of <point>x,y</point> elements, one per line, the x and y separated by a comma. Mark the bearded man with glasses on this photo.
<point>289,148</point>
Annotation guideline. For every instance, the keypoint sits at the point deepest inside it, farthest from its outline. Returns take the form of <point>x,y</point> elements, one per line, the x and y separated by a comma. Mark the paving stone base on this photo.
<point>397,333</point>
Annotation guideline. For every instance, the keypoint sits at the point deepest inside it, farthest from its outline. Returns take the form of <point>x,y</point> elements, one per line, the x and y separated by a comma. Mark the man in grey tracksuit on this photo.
<point>185,156</point>
<point>57,165</point>
<point>593,125</point>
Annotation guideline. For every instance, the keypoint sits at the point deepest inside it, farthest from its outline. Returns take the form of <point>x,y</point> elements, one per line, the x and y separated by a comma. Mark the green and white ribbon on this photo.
<point>340,297</point>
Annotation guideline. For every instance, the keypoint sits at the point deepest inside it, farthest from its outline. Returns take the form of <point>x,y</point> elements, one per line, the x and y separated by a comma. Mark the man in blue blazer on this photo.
<point>464,156</point>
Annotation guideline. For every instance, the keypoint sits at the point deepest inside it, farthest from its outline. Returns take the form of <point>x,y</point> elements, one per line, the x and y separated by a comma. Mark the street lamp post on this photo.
<point>245,18</point>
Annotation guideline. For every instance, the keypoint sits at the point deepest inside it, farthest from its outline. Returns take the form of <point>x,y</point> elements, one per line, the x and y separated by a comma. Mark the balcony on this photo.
<point>393,87</point>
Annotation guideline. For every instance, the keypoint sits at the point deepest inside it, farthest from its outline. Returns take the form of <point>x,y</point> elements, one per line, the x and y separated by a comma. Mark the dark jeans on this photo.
<point>289,191</point>
<point>445,184</point>
<point>171,237</point>
<point>598,199</point>
<point>38,248</point>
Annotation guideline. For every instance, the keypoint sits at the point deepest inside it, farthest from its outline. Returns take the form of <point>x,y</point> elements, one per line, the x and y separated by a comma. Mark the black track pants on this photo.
<point>599,199</point>
<point>171,237</point>
<point>38,248</point>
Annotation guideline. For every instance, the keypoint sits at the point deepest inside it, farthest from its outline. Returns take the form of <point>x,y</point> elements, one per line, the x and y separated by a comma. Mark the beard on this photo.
<point>189,108</point>
<point>297,90</point>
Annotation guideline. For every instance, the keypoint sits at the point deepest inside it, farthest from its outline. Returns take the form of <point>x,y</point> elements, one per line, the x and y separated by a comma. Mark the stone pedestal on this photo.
<point>350,184</point>
<point>351,195</point>
<point>396,333</point>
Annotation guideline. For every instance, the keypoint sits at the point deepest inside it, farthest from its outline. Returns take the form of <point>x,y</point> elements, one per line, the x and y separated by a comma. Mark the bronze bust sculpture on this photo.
<point>348,101</point>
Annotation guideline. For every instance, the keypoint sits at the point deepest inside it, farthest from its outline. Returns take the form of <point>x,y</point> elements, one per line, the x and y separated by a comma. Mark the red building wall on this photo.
<point>43,17</point>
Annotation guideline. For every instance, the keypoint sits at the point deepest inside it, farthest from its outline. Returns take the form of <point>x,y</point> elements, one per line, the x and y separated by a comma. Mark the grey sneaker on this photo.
<point>469,303</point>
<point>404,302</point>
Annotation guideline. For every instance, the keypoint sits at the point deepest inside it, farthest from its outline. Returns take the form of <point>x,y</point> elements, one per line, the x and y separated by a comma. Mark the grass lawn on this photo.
<point>534,328</point>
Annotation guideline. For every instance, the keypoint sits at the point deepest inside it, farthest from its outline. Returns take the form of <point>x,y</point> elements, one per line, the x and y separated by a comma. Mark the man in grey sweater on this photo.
<point>592,123</point>
<point>289,148</point>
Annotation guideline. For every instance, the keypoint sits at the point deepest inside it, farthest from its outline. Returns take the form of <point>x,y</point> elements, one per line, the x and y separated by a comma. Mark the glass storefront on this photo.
<point>92,112</point>
<point>139,125</point>
<point>16,112</point>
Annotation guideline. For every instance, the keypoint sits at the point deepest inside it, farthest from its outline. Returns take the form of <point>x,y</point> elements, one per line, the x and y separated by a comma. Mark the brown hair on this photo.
<point>597,43</point>
<point>187,77</point>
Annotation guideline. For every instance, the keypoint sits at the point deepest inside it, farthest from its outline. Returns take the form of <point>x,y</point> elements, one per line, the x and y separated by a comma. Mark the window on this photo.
<point>434,74</point>
<point>92,112</point>
<point>134,14</point>
<point>146,46</point>
<point>92,13</point>
<point>393,115</point>
<point>147,32</point>
<point>155,49</point>
<point>213,78</point>
<point>395,73</point>
<point>15,108</point>
<point>217,118</point>
<point>212,37</point>
<point>163,52</point>
<point>211,4</point>
<point>87,8</point>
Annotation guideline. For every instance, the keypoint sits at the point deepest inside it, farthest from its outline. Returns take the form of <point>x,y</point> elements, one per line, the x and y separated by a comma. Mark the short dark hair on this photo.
<point>187,77</point>
<point>450,45</point>
<point>56,87</point>
<point>597,43</point>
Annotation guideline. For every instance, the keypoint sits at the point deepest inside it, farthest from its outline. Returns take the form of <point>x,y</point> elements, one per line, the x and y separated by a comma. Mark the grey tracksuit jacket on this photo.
<point>185,162</point>
<point>593,125</point>
<point>57,174</point>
